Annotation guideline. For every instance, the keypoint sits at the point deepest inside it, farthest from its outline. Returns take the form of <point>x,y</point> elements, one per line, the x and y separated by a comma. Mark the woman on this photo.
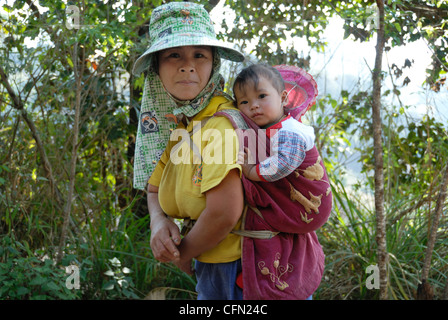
<point>183,90</point>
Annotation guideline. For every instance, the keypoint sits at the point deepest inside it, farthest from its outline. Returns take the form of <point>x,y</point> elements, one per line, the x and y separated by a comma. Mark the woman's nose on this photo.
<point>187,67</point>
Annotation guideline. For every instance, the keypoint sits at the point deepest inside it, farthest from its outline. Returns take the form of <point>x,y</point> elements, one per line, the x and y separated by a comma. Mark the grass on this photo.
<point>127,238</point>
<point>349,242</point>
<point>111,235</point>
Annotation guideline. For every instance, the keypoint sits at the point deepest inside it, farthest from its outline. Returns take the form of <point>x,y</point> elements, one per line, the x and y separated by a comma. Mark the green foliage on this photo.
<point>414,156</point>
<point>115,261</point>
<point>405,21</point>
<point>273,23</point>
<point>350,246</point>
<point>120,283</point>
<point>24,276</point>
<point>109,220</point>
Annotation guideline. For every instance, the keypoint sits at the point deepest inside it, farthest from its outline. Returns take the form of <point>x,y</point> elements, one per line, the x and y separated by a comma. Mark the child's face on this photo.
<point>264,104</point>
<point>185,71</point>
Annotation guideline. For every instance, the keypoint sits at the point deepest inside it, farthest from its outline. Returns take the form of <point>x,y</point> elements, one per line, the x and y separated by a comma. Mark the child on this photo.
<point>183,84</point>
<point>288,193</point>
<point>261,95</point>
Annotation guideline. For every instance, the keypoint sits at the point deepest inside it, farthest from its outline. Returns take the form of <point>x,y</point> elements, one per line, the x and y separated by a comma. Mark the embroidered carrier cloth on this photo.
<point>290,264</point>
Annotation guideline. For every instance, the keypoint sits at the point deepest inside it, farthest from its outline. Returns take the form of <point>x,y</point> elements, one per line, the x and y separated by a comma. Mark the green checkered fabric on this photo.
<point>182,24</point>
<point>154,127</point>
<point>172,25</point>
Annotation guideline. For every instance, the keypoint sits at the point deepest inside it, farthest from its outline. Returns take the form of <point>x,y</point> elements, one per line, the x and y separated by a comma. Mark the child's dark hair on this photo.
<point>253,72</point>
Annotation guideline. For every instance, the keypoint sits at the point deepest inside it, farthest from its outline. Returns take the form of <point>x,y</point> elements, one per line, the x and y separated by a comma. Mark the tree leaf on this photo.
<point>109,285</point>
<point>38,281</point>
<point>109,273</point>
<point>22,291</point>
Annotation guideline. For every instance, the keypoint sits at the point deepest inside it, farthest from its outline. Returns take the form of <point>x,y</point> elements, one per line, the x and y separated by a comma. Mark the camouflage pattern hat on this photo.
<point>177,24</point>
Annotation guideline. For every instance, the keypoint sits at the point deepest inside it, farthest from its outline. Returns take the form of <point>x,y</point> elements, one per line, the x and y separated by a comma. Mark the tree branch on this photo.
<point>17,104</point>
<point>424,290</point>
<point>378,154</point>
<point>433,14</point>
<point>78,72</point>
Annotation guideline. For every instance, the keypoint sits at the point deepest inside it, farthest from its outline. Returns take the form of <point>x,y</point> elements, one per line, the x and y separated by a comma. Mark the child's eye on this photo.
<point>243,102</point>
<point>263,95</point>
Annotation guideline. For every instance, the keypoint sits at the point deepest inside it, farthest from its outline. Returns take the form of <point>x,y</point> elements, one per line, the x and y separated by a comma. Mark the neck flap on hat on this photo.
<point>158,117</point>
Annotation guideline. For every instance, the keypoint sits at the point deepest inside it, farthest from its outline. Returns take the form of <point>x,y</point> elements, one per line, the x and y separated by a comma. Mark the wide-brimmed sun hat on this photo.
<point>177,24</point>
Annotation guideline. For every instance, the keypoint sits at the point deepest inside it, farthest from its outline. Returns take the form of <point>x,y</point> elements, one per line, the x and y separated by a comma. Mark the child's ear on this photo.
<point>284,95</point>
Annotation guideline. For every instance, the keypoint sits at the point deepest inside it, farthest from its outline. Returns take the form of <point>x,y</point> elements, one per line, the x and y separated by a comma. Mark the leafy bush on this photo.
<point>348,240</point>
<point>120,284</point>
<point>24,276</point>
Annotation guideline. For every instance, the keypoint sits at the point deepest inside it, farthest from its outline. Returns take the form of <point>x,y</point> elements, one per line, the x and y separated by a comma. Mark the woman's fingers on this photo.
<point>165,250</point>
<point>164,242</point>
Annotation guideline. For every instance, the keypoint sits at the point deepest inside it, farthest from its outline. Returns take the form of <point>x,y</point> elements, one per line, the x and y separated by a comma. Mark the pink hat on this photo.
<point>301,87</point>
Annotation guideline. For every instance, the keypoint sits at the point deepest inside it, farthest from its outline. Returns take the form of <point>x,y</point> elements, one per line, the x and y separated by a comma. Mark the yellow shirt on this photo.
<point>184,173</point>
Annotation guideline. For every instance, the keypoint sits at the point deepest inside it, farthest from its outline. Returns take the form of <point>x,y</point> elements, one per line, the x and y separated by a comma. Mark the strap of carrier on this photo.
<point>237,120</point>
<point>256,234</point>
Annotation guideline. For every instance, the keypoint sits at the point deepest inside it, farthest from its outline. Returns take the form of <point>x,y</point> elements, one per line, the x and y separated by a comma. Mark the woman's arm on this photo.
<point>165,235</point>
<point>224,206</point>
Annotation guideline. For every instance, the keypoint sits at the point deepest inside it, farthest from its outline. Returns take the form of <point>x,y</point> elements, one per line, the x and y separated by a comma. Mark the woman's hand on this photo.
<point>165,238</point>
<point>165,234</point>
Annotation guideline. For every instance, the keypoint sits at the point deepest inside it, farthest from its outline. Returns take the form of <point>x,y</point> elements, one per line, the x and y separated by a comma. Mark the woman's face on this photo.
<point>185,71</point>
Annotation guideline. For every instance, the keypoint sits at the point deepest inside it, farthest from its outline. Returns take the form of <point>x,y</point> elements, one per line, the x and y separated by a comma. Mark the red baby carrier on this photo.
<point>281,255</point>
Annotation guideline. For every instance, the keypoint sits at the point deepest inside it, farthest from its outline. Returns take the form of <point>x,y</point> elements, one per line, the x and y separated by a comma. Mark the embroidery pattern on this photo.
<point>312,204</point>
<point>187,18</point>
<point>277,273</point>
<point>149,122</point>
<point>314,172</point>
<point>197,177</point>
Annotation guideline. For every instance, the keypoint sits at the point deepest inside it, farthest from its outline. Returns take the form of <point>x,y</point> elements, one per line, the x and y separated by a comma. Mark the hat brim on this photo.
<point>226,52</point>
<point>302,90</point>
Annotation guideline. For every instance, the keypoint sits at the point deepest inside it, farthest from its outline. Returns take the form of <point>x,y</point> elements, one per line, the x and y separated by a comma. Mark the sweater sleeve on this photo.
<point>288,152</point>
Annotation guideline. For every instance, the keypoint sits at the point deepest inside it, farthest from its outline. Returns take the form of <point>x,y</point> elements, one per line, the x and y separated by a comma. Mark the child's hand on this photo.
<point>248,158</point>
<point>245,157</point>
<point>241,157</point>
<point>247,162</point>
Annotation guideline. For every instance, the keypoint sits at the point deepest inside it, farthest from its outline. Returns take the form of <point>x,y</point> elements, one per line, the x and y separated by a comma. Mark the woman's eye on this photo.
<point>202,55</point>
<point>171,55</point>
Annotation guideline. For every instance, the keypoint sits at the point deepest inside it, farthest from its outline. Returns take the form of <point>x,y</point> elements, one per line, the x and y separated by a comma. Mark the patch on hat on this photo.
<point>165,32</point>
<point>149,122</point>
